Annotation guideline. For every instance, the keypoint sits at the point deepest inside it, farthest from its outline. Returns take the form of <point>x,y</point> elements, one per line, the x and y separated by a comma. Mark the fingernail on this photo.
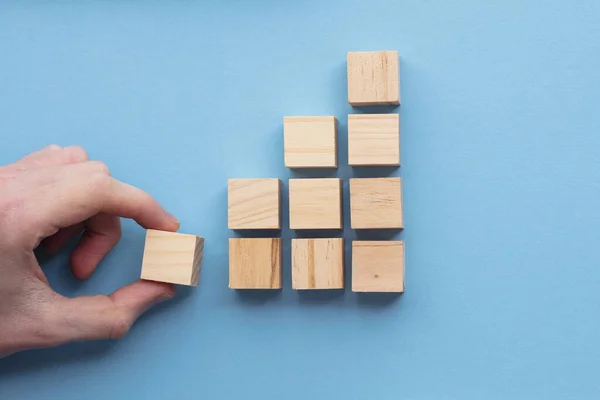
<point>53,147</point>
<point>173,218</point>
<point>165,297</point>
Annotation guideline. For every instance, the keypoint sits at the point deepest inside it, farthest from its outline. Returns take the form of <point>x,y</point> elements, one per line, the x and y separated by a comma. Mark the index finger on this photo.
<point>81,191</point>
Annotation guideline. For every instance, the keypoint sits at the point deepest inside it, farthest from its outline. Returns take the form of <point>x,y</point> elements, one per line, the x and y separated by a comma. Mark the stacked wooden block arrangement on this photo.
<point>316,203</point>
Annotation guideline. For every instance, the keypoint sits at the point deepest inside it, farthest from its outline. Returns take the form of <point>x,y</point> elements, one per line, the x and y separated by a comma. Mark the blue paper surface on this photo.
<point>501,178</point>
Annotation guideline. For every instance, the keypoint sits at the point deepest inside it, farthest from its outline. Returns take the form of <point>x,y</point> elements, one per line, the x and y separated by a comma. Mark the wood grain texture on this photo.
<point>377,266</point>
<point>172,257</point>
<point>255,263</point>
<point>315,203</point>
<point>254,203</point>
<point>317,264</point>
<point>373,78</point>
<point>373,139</point>
<point>376,203</point>
<point>310,142</point>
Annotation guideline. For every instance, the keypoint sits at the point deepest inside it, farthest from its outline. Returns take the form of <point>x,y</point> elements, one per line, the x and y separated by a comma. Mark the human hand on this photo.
<point>46,198</point>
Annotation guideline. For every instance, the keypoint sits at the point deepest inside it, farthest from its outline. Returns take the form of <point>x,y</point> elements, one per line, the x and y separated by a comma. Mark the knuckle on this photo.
<point>100,167</point>
<point>99,182</point>
<point>76,153</point>
<point>119,326</point>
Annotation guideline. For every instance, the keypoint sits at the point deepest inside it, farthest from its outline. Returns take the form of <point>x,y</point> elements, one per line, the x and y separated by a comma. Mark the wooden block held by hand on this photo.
<point>310,142</point>
<point>377,266</point>
<point>376,203</point>
<point>172,257</point>
<point>373,139</point>
<point>254,203</point>
<point>316,203</point>
<point>373,78</point>
<point>317,264</point>
<point>255,263</point>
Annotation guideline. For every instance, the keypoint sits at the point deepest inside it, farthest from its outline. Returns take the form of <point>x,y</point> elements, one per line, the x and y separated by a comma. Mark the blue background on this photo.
<point>500,161</point>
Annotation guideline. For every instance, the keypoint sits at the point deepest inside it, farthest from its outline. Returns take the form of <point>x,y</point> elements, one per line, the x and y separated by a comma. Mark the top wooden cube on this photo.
<point>310,142</point>
<point>373,78</point>
<point>254,203</point>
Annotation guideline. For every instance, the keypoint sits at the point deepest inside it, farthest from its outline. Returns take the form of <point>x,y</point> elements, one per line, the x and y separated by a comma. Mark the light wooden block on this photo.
<point>373,78</point>
<point>254,203</point>
<point>310,142</point>
<point>377,266</point>
<point>376,203</point>
<point>315,203</point>
<point>373,139</point>
<point>255,263</point>
<point>317,264</point>
<point>172,257</point>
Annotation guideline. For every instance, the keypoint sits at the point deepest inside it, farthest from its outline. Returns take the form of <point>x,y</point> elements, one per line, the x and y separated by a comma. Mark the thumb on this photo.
<point>109,317</point>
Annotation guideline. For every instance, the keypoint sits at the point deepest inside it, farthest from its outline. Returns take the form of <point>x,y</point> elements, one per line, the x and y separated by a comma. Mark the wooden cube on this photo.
<point>316,203</point>
<point>254,203</point>
<point>377,266</point>
<point>317,264</point>
<point>310,142</point>
<point>376,203</point>
<point>373,139</point>
<point>172,257</point>
<point>373,78</point>
<point>255,263</point>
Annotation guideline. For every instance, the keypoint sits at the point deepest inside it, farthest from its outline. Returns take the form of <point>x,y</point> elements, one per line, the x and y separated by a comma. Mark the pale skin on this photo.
<point>46,199</point>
